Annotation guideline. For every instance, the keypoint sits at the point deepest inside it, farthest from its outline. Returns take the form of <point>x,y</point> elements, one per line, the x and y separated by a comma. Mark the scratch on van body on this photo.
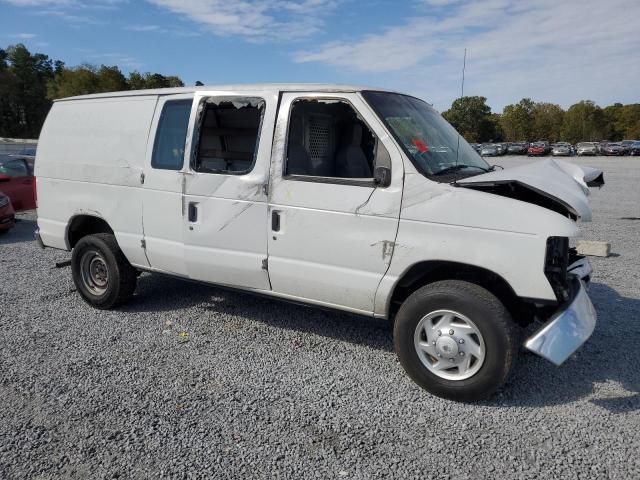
<point>364,204</point>
<point>236,215</point>
<point>387,248</point>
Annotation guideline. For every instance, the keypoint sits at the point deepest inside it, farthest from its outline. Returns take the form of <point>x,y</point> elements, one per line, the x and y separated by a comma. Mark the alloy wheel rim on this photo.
<point>449,345</point>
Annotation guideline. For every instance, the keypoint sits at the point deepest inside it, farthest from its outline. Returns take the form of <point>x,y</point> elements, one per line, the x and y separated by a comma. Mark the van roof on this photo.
<point>262,87</point>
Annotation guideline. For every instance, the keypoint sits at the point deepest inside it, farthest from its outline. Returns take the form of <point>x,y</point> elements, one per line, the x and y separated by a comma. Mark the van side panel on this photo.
<point>90,158</point>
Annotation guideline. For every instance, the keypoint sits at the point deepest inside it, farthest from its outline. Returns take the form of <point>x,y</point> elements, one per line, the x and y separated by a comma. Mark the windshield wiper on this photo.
<point>455,168</point>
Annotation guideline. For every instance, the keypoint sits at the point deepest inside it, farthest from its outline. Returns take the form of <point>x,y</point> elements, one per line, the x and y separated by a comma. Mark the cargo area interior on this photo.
<point>229,136</point>
<point>327,139</point>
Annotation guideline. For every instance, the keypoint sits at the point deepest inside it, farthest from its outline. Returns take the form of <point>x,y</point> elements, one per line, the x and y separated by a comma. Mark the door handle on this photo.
<point>275,221</point>
<point>193,212</point>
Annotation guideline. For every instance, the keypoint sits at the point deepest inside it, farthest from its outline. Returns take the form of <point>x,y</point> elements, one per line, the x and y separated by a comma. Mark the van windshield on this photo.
<point>436,149</point>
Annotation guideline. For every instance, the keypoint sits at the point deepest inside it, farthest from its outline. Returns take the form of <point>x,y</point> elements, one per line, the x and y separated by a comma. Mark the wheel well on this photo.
<point>83,225</point>
<point>425,273</point>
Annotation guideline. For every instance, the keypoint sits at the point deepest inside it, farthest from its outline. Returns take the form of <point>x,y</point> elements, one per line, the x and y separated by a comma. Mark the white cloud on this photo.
<point>253,19</point>
<point>145,28</point>
<point>22,36</point>
<point>555,51</point>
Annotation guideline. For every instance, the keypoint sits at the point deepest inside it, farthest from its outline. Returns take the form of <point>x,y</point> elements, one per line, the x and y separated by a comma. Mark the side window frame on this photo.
<point>358,182</point>
<point>199,120</point>
<point>167,102</point>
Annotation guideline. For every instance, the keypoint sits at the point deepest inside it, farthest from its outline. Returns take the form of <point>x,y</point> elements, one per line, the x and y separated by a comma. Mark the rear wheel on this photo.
<point>456,340</point>
<point>102,274</point>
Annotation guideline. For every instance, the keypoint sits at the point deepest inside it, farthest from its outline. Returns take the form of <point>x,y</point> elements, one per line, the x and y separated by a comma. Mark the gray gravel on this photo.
<point>192,381</point>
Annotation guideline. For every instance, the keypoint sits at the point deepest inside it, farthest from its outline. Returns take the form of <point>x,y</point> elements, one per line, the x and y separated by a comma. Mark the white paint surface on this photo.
<point>339,245</point>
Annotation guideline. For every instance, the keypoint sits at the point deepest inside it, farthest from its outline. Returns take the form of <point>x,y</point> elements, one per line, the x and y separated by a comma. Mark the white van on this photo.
<point>355,199</point>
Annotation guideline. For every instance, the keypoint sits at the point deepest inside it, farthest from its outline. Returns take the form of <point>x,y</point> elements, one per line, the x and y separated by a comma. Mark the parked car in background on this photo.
<point>587,148</point>
<point>502,148</point>
<point>561,150</point>
<point>612,149</point>
<point>538,149</point>
<point>7,214</point>
<point>634,150</point>
<point>601,145</point>
<point>517,148</point>
<point>626,146</point>
<point>489,150</point>
<point>18,183</point>
<point>476,146</point>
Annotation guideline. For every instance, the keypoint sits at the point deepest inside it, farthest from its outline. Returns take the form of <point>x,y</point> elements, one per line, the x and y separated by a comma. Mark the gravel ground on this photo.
<point>191,381</point>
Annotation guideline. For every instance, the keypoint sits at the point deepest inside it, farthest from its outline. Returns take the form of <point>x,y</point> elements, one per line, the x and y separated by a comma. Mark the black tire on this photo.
<point>492,319</point>
<point>120,275</point>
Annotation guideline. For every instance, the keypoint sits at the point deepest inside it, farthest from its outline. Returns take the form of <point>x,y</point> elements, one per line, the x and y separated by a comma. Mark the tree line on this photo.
<point>29,82</point>
<point>530,121</point>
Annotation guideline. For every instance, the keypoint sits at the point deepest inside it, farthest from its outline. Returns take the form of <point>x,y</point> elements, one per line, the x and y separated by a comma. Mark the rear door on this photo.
<point>163,207</point>
<point>16,181</point>
<point>332,229</point>
<point>225,191</point>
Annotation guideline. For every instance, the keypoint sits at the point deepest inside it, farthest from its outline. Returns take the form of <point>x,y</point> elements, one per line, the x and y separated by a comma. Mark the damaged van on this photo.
<point>360,200</point>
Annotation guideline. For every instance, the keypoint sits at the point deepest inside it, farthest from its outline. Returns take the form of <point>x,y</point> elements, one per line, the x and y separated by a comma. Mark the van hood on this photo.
<point>559,186</point>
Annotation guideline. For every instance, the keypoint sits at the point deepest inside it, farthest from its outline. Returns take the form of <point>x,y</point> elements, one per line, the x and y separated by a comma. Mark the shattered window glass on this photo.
<point>228,134</point>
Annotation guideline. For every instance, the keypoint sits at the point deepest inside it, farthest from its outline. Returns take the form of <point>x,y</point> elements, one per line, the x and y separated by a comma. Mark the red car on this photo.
<point>538,149</point>
<point>18,183</point>
<point>7,215</point>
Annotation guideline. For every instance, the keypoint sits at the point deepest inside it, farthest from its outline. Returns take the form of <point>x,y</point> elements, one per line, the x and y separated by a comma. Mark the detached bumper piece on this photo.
<point>568,328</point>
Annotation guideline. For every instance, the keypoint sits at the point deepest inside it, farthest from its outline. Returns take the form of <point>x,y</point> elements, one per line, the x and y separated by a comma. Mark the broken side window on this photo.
<point>227,135</point>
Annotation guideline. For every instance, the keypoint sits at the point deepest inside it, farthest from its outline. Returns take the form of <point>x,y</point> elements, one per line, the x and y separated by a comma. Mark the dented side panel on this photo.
<point>227,243</point>
<point>446,223</point>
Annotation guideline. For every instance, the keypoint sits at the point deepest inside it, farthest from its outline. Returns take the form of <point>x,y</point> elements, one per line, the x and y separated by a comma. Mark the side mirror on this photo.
<point>4,178</point>
<point>382,176</point>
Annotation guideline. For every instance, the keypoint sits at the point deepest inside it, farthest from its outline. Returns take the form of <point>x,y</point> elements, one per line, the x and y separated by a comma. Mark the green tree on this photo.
<point>623,121</point>
<point>9,119</point>
<point>141,81</point>
<point>547,121</point>
<point>629,121</point>
<point>28,83</point>
<point>86,79</point>
<point>471,116</point>
<point>584,121</point>
<point>517,121</point>
<point>29,77</point>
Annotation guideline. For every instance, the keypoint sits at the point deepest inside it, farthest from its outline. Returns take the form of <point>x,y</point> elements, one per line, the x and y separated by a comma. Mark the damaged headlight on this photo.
<point>4,201</point>
<point>555,266</point>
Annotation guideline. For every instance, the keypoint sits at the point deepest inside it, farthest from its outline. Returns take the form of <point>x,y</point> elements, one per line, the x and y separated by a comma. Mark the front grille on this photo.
<point>555,267</point>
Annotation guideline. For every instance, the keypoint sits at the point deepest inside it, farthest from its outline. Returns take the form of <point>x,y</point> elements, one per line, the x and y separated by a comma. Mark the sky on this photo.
<point>559,51</point>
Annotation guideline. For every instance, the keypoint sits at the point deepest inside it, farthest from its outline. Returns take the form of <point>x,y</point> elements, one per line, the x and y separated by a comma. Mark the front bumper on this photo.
<point>571,325</point>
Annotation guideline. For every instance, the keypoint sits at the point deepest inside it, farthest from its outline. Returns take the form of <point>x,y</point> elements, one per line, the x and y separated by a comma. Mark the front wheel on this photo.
<point>456,340</point>
<point>102,274</point>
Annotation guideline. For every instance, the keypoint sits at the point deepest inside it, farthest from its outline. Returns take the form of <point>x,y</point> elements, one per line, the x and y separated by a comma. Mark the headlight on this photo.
<point>4,201</point>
